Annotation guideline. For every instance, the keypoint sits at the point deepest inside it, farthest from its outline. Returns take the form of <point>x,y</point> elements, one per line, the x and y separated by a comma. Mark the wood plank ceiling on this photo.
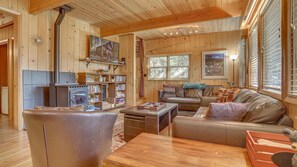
<point>220,25</point>
<point>112,14</point>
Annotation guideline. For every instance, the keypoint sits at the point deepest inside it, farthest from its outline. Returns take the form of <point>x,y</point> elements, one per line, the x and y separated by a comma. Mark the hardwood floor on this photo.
<point>14,145</point>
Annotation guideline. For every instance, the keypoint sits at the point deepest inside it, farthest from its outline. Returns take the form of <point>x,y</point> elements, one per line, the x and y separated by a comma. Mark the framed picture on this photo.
<point>214,65</point>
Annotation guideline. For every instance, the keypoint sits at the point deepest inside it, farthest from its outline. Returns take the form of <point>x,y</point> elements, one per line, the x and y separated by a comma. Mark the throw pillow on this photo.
<point>76,108</point>
<point>179,90</point>
<point>227,111</point>
<point>169,88</point>
<point>193,93</point>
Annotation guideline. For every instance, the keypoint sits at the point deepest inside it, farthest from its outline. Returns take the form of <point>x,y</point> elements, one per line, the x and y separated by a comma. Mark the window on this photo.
<point>293,65</point>
<point>272,51</point>
<point>254,57</point>
<point>175,67</point>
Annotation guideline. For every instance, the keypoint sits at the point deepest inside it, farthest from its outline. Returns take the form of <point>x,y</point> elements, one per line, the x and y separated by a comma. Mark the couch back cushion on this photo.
<point>179,90</point>
<point>209,89</point>
<point>264,109</point>
<point>193,93</point>
<point>244,95</point>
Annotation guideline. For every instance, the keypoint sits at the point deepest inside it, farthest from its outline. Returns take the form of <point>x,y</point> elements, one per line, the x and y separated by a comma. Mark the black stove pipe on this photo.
<point>57,45</point>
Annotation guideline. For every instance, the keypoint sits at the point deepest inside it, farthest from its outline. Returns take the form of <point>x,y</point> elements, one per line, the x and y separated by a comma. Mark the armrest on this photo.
<point>220,132</point>
<point>160,95</point>
<point>206,100</point>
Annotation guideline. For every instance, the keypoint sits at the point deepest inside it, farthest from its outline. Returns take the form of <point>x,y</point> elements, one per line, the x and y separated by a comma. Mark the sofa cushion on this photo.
<point>193,93</point>
<point>244,95</point>
<point>209,89</point>
<point>179,90</point>
<point>165,96</point>
<point>227,111</point>
<point>169,88</point>
<point>184,100</point>
<point>264,109</point>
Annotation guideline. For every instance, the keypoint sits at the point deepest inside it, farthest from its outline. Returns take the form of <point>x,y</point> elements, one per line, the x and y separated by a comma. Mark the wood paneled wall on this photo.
<point>194,45</point>
<point>74,43</point>
<point>74,40</point>
<point>128,51</point>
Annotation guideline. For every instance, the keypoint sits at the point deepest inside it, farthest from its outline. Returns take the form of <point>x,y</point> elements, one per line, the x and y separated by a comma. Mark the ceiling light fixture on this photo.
<point>171,33</point>
<point>196,31</point>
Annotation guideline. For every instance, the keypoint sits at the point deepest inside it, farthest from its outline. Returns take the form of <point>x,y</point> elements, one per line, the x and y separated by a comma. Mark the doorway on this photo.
<point>4,77</point>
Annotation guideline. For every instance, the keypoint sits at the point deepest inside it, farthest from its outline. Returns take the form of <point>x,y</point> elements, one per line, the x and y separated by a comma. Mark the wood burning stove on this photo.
<point>72,95</point>
<point>68,94</point>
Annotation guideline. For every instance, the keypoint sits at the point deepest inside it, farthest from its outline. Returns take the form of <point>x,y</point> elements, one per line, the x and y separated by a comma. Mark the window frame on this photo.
<point>168,67</point>
<point>292,28</point>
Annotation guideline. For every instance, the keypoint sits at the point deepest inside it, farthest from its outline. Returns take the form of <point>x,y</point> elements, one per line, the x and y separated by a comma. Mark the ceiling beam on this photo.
<point>38,6</point>
<point>206,14</point>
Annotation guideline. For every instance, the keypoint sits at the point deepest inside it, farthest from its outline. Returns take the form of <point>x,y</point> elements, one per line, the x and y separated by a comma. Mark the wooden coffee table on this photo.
<point>137,121</point>
<point>149,150</point>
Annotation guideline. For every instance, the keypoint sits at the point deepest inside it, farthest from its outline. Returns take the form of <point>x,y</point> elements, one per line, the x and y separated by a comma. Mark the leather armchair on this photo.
<point>69,139</point>
<point>221,132</point>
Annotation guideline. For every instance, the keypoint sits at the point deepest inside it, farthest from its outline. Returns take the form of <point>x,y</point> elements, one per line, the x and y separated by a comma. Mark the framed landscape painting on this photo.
<point>214,65</point>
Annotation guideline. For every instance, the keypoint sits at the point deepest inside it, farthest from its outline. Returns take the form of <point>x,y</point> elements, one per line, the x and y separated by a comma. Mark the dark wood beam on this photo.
<point>38,6</point>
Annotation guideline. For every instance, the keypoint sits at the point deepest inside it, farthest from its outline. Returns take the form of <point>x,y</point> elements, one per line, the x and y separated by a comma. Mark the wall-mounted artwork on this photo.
<point>214,65</point>
<point>103,50</point>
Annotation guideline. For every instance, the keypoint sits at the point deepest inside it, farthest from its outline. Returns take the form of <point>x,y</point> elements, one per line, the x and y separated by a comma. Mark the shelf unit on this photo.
<point>106,91</point>
<point>87,62</point>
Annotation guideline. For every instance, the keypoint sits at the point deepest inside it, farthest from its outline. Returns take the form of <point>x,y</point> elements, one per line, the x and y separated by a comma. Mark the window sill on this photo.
<point>272,94</point>
<point>291,100</point>
<point>167,79</point>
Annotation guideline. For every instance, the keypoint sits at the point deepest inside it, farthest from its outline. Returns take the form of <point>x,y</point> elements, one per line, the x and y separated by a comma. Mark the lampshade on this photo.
<point>233,57</point>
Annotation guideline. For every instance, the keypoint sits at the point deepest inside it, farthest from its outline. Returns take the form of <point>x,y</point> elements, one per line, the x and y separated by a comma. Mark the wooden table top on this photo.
<point>144,112</point>
<point>149,150</point>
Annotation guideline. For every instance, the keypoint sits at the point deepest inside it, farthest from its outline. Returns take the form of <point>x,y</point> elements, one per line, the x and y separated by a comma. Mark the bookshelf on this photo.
<point>106,91</point>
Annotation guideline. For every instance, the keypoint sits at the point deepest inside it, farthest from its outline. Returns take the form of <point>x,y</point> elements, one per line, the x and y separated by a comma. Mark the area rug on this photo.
<point>118,133</point>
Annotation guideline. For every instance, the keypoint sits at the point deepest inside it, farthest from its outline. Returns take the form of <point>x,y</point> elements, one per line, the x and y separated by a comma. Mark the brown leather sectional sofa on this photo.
<point>264,113</point>
<point>189,103</point>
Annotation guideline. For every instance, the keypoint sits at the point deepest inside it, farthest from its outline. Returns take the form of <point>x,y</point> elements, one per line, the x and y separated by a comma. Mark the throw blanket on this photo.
<point>191,85</point>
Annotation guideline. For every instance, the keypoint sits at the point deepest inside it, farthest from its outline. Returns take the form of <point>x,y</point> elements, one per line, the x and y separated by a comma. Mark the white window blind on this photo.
<point>272,52</point>
<point>293,78</point>
<point>254,57</point>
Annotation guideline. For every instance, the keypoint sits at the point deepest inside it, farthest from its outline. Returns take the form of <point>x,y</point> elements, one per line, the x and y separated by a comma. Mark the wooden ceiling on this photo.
<point>220,25</point>
<point>126,16</point>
